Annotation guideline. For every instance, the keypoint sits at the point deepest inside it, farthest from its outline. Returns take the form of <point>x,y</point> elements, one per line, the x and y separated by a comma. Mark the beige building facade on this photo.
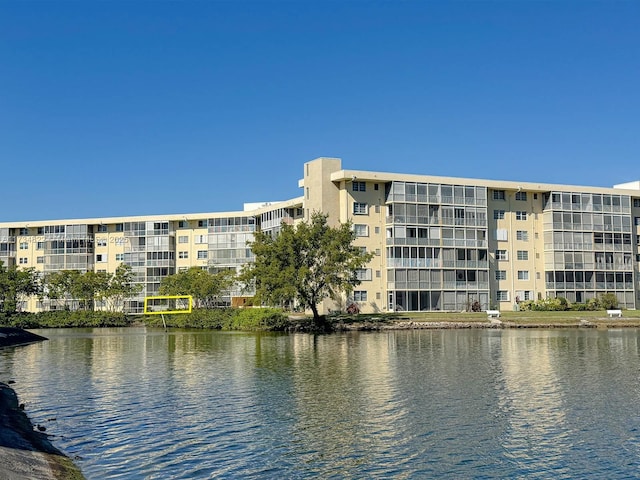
<point>439,243</point>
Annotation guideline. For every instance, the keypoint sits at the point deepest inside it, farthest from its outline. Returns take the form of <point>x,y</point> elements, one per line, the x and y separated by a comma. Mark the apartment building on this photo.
<point>440,243</point>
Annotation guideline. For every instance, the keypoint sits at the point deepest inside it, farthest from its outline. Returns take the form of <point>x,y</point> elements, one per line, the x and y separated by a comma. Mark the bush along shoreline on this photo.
<point>251,319</point>
<point>277,320</point>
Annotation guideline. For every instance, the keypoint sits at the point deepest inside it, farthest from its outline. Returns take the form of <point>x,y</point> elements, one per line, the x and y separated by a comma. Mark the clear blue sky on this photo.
<point>139,107</point>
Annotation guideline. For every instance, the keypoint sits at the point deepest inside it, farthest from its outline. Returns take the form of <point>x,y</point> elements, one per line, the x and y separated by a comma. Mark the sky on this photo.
<point>112,108</point>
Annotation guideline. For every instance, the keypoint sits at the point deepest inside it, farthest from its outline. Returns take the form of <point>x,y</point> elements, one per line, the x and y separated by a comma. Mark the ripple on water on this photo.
<point>455,404</point>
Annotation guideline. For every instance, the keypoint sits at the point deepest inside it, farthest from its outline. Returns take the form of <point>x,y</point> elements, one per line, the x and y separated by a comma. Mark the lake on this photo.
<point>141,403</point>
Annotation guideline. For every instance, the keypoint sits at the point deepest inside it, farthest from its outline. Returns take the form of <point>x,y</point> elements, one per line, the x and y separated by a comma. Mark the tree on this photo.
<point>205,287</point>
<point>89,287</point>
<point>16,284</point>
<point>305,263</point>
<point>121,287</point>
<point>60,284</point>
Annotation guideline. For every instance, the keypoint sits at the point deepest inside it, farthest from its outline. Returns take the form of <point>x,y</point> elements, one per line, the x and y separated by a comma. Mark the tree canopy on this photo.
<point>206,288</point>
<point>305,263</point>
<point>89,287</point>
<point>17,284</point>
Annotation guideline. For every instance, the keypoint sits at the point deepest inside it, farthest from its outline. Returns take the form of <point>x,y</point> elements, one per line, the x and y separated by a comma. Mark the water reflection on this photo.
<point>137,403</point>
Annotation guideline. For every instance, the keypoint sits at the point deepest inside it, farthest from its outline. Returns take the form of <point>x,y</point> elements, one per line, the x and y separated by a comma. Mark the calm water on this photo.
<point>136,403</point>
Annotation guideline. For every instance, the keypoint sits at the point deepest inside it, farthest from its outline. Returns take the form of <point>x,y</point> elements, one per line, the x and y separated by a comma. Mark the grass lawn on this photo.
<point>630,318</point>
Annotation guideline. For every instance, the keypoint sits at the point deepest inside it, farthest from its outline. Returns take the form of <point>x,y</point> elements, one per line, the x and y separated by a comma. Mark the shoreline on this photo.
<point>26,453</point>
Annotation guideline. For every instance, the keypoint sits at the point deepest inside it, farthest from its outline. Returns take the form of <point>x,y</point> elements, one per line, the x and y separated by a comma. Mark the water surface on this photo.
<point>142,403</point>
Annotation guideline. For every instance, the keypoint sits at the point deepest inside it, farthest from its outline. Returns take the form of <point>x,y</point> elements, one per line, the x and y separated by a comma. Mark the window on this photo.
<point>23,260</point>
<point>202,254</point>
<point>24,245</point>
<point>183,239</point>
<point>363,274</point>
<point>200,239</point>
<point>361,230</point>
<point>359,186</point>
<point>375,186</point>
<point>360,295</point>
<point>119,227</point>
<point>501,234</point>
<point>522,196</point>
<point>184,255</point>
<point>378,273</point>
<point>39,245</point>
<point>101,242</point>
<point>377,208</point>
<point>501,274</point>
<point>523,274</point>
<point>102,228</point>
<point>636,202</point>
<point>119,257</point>
<point>377,251</point>
<point>523,295</point>
<point>101,257</point>
<point>360,208</point>
<point>24,231</point>
<point>520,215</point>
<point>523,255</point>
<point>498,195</point>
<point>522,235</point>
<point>362,249</point>
<point>39,259</point>
<point>203,223</point>
<point>183,224</point>
<point>636,221</point>
<point>501,255</point>
<point>502,296</point>
<point>40,230</point>
<point>498,214</point>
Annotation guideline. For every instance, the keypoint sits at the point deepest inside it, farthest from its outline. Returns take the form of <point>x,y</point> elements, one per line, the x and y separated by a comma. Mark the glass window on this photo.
<point>360,208</point>
<point>501,274</point>
<point>498,195</point>
<point>522,196</point>
<point>501,255</point>
<point>522,235</point>
<point>498,214</point>
<point>502,296</point>
<point>523,255</point>
<point>523,275</point>
<point>360,295</point>
<point>361,230</point>
<point>520,215</point>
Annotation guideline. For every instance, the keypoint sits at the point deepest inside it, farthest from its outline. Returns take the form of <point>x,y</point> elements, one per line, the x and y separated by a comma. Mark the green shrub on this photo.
<point>608,301</point>
<point>224,319</point>
<point>579,307</point>
<point>64,319</point>
<point>593,304</point>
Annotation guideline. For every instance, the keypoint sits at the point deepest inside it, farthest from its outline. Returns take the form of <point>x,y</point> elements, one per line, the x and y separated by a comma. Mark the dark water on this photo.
<point>136,403</point>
